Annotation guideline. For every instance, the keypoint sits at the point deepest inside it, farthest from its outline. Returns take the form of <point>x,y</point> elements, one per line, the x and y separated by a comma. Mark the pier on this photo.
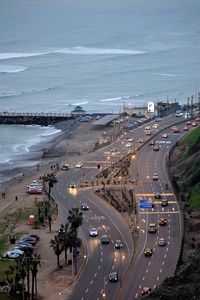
<point>34,118</point>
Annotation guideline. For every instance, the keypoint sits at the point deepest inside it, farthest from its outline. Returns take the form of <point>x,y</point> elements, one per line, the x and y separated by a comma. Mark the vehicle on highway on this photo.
<point>79,165</point>
<point>176,130</point>
<point>65,167</point>
<point>157,195</point>
<point>162,221</point>
<point>130,140</point>
<point>147,128</point>
<point>13,254</point>
<point>148,252</point>
<point>105,239</point>
<point>173,127</point>
<point>194,124</point>
<point>152,228</point>
<point>164,202</point>
<point>93,232</point>
<point>185,128</point>
<point>188,123</point>
<point>118,244</point>
<point>152,143</point>
<point>155,176</point>
<point>165,135</point>
<point>72,185</point>
<point>148,132</point>
<point>162,242</point>
<point>146,290</point>
<point>155,126</point>
<point>84,206</point>
<point>140,140</point>
<point>97,190</point>
<point>156,148</point>
<point>113,277</point>
<point>129,145</point>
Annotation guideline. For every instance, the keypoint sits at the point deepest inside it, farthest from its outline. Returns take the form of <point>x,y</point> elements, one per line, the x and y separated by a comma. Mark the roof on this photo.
<point>105,120</point>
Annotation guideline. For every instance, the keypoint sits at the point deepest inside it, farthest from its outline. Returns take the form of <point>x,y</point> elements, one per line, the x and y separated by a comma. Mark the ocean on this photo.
<point>57,54</point>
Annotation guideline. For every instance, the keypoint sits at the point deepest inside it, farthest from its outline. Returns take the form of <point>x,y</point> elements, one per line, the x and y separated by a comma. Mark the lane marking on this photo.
<point>158,212</point>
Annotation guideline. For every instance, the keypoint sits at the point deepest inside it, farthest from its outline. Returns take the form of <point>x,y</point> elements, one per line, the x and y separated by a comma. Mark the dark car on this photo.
<point>157,195</point>
<point>113,277</point>
<point>84,206</point>
<point>35,236</point>
<point>156,148</point>
<point>164,202</point>
<point>30,240</point>
<point>152,143</point>
<point>24,247</point>
<point>118,244</point>
<point>105,239</point>
<point>146,290</point>
<point>148,252</point>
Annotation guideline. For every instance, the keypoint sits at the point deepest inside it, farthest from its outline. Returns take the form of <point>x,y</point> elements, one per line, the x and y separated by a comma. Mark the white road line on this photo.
<point>163,263</point>
<point>136,295</point>
<point>143,278</point>
<point>154,286</point>
<point>98,267</point>
<point>113,267</point>
<point>157,278</point>
<point>95,274</point>
<point>167,249</point>
<point>160,270</point>
<point>91,282</point>
<point>165,255</point>
<point>147,270</point>
<point>149,263</point>
<point>87,290</point>
<point>140,286</point>
<point>169,237</point>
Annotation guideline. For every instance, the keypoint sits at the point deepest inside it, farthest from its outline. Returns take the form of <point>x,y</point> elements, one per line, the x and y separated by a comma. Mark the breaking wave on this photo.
<point>11,69</point>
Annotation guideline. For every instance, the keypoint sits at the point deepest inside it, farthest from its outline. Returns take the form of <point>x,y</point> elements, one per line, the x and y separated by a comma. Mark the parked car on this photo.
<point>13,254</point>
<point>30,240</point>
<point>34,236</point>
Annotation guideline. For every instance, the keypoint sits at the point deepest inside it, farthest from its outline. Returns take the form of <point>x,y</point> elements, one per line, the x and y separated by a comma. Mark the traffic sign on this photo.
<point>145,203</point>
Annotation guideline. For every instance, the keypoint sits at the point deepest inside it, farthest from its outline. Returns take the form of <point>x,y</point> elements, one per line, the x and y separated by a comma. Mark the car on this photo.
<point>164,135</point>
<point>164,202</point>
<point>146,290</point>
<point>152,143</point>
<point>72,185</point>
<point>185,128</point>
<point>162,242</point>
<point>14,253</point>
<point>156,148</point>
<point>152,228</point>
<point>155,126</point>
<point>147,128</point>
<point>162,222</point>
<point>79,165</point>
<point>118,244</point>
<point>105,239</point>
<point>130,140</point>
<point>30,240</point>
<point>155,176</point>
<point>140,140</point>
<point>24,247</point>
<point>148,252</point>
<point>188,123</point>
<point>176,130</point>
<point>194,124</point>
<point>113,277</point>
<point>157,195</point>
<point>129,145</point>
<point>148,132</point>
<point>197,119</point>
<point>97,190</point>
<point>34,236</point>
<point>84,206</point>
<point>93,232</point>
<point>65,167</point>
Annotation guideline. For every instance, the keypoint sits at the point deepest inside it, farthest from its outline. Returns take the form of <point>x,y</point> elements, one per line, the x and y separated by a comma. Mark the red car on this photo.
<point>188,123</point>
<point>176,130</point>
<point>185,128</point>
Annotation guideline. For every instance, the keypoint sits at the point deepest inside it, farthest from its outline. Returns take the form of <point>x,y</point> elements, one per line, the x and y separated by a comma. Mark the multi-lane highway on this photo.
<point>100,260</point>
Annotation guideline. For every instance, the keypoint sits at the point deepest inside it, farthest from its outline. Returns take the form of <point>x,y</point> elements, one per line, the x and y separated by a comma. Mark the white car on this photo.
<point>147,128</point>
<point>155,126</point>
<point>165,135</point>
<point>93,232</point>
<point>79,165</point>
<point>129,145</point>
<point>14,253</point>
<point>155,176</point>
<point>152,228</point>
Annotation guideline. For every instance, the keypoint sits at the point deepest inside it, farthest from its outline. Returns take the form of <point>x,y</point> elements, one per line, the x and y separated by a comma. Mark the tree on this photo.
<point>35,262</point>
<point>57,246</point>
<point>75,218</point>
<point>65,237</point>
<point>50,178</point>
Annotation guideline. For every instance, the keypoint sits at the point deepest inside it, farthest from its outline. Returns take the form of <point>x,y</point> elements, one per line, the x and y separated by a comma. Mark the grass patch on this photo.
<point>194,199</point>
<point>4,265</point>
<point>24,215</point>
<point>191,139</point>
<point>4,242</point>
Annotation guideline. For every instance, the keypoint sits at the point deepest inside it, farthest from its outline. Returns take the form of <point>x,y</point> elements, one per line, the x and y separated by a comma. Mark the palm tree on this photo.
<point>57,246</point>
<point>35,262</point>
<point>75,218</point>
<point>50,178</point>
<point>65,237</point>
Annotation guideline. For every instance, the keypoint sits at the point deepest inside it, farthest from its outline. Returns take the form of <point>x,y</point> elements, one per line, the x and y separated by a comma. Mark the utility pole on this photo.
<point>192,100</point>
